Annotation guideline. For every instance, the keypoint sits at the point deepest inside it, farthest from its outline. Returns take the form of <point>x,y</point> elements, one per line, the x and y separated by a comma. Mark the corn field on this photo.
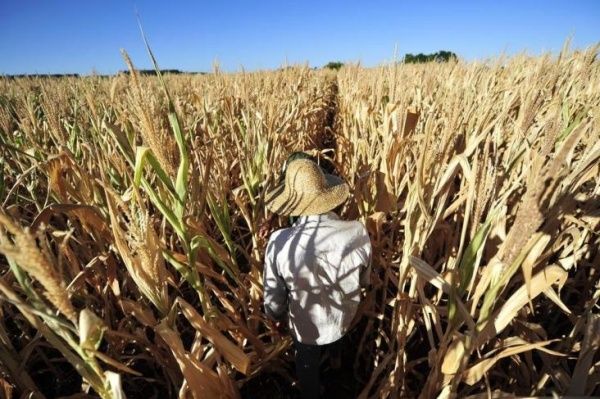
<point>133,227</point>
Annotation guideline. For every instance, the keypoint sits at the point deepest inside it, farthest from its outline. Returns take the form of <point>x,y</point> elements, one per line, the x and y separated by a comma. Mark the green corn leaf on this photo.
<point>184,270</point>
<point>470,257</point>
<point>144,155</point>
<point>201,242</point>
<point>181,182</point>
<point>182,172</point>
<point>491,295</point>
<point>570,127</point>
<point>220,213</point>
<point>165,210</point>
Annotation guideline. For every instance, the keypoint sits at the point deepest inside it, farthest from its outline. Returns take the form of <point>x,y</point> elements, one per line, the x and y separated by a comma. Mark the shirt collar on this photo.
<point>317,218</point>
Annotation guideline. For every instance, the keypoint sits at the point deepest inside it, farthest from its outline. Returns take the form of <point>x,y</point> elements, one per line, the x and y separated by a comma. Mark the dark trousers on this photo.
<point>308,361</point>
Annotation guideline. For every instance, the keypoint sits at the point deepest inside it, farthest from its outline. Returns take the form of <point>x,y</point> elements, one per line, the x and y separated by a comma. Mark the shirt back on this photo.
<point>315,269</point>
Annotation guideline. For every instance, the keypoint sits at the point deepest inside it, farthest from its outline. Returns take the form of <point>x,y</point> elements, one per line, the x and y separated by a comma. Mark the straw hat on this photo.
<point>306,191</point>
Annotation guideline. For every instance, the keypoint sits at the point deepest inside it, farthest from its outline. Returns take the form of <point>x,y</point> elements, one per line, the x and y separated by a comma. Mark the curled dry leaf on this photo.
<point>226,348</point>
<point>476,372</point>
<point>202,382</point>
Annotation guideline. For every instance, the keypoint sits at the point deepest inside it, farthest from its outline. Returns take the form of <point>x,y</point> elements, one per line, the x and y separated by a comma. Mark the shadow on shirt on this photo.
<point>319,264</point>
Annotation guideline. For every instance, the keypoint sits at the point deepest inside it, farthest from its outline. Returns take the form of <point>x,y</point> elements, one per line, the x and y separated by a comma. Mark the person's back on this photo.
<point>322,261</point>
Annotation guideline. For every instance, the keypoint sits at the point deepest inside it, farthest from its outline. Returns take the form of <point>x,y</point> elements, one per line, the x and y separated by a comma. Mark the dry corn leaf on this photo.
<point>554,297</point>
<point>143,314</point>
<point>540,282</point>
<point>532,257</point>
<point>454,356</point>
<point>89,216</point>
<point>144,261</point>
<point>226,348</point>
<point>385,201</point>
<point>475,373</point>
<point>203,382</point>
<point>117,365</point>
<point>410,121</point>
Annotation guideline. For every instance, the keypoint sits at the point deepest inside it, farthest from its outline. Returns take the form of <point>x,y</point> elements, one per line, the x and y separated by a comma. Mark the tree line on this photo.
<point>439,56</point>
<point>409,58</point>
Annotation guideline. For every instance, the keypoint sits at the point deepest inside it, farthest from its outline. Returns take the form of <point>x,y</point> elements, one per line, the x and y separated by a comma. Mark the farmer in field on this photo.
<point>314,269</point>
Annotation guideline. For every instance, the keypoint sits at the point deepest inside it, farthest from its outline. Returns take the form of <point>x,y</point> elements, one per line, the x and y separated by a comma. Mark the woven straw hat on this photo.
<point>306,191</point>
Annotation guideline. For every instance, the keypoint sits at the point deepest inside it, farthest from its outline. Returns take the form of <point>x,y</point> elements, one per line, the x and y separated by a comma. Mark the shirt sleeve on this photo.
<point>275,290</point>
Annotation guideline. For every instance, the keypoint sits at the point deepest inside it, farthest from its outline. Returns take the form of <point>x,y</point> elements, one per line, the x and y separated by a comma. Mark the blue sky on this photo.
<point>55,36</point>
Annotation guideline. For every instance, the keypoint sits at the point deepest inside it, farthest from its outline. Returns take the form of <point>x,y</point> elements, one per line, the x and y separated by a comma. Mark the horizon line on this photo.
<point>241,69</point>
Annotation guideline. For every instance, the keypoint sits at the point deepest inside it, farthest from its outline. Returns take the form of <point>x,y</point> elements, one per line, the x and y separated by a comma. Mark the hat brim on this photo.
<point>283,201</point>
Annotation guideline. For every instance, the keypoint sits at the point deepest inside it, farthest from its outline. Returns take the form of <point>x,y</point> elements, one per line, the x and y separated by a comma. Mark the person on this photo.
<point>314,270</point>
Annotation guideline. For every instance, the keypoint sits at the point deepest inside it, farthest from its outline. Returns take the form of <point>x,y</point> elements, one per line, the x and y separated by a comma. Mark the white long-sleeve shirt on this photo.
<point>315,270</point>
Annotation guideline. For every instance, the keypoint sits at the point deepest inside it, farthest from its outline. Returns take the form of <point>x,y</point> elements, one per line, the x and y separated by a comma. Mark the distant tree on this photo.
<point>153,72</point>
<point>335,65</point>
<point>445,56</point>
<point>440,56</point>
